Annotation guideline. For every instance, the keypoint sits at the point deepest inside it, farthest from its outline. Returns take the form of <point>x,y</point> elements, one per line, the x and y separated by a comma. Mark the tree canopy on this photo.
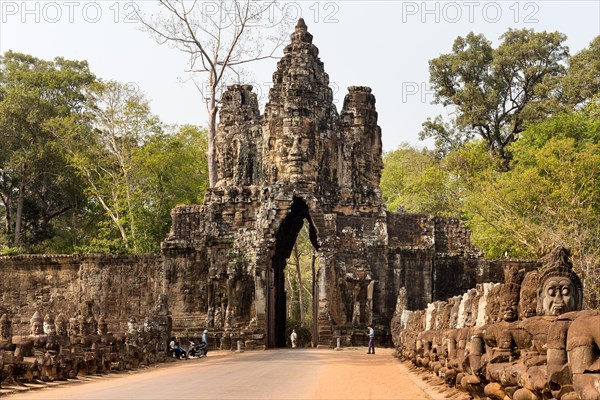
<point>85,164</point>
<point>550,195</point>
<point>496,93</point>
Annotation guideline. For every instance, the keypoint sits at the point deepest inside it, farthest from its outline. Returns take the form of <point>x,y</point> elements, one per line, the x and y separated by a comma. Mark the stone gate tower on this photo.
<point>301,161</point>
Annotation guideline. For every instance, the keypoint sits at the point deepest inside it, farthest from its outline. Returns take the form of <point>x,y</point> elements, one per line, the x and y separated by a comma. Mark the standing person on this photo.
<point>294,339</point>
<point>371,331</point>
<point>172,349</point>
<point>205,341</point>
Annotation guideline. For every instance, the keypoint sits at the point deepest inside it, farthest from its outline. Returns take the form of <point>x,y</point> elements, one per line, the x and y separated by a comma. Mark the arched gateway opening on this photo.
<point>284,243</point>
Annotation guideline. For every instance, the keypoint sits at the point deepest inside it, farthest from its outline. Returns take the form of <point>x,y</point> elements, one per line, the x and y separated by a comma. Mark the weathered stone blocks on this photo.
<point>513,353</point>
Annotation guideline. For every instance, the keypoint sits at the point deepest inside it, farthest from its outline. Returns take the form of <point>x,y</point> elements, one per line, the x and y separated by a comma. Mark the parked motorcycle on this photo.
<point>197,349</point>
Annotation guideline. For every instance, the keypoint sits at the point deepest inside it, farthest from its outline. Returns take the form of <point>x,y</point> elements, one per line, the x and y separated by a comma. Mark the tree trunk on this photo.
<point>74,226</point>
<point>130,209</point>
<point>7,216</point>
<point>290,304</point>
<point>19,214</point>
<point>300,288</point>
<point>212,109</point>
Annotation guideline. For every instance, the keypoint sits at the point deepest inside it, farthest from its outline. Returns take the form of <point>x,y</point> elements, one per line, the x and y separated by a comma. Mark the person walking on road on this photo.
<point>205,341</point>
<point>371,332</point>
<point>294,339</point>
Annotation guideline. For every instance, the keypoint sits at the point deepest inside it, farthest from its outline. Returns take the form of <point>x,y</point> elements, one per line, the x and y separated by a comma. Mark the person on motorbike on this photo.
<point>196,349</point>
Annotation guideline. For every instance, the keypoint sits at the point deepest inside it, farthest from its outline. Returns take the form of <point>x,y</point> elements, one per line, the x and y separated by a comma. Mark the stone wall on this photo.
<point>116,287</point>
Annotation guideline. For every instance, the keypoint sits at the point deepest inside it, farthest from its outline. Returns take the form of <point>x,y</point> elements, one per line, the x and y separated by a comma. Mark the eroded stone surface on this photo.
<point>300,161</point>
<point>554,354</point>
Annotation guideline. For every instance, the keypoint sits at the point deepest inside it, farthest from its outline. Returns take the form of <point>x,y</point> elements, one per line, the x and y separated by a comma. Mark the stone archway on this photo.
<point>284,242</point>
<point>302,159</point>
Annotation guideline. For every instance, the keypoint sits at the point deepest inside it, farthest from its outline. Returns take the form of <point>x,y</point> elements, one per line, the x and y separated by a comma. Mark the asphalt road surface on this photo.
<point>273,374</point>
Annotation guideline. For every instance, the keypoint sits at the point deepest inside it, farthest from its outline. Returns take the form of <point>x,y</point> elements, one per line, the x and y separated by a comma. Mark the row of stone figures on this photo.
<point>524,339</point>
<point>59,349</point>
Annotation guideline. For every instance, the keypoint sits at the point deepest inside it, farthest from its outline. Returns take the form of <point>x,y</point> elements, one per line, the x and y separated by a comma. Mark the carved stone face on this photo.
<point>36,324</point>
<point>528,295</point>
<point>60,325</point>
<point>292,149</point>
<point>49,328</point>
<point>102,327</point>
<point>508,310</point>
<point>493,304</point>
<point>37,328</point>
<point>5,328</point>
<point>132,325</point>
<point>558,296</point>
<point>508,303</point>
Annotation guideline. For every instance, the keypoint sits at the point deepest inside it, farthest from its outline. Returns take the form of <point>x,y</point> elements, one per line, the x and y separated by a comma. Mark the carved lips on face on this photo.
<point>557,296</point>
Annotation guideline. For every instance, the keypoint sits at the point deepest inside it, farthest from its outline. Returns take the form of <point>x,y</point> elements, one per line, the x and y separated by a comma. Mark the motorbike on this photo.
<point>197,349</point>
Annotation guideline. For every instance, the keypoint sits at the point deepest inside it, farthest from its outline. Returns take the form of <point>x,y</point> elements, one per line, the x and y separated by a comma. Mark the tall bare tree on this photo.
<point>300,286</point>
<point>219,37</point>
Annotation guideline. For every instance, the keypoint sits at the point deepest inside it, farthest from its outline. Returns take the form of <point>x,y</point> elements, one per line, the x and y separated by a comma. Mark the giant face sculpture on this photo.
<point>559,289</point>
<point>292,147</point>
<point>558,296</point>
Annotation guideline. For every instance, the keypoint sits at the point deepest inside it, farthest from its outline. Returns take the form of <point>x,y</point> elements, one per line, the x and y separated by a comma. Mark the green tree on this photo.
<point>496,93</point>
<point>550,197</point>
<point>446,135</point>
<point>36,187</point>
<point>582,81</point>
<point>416,181</point>
<point>300,276</point>
<point>103,158</point>
<point>171,170</point>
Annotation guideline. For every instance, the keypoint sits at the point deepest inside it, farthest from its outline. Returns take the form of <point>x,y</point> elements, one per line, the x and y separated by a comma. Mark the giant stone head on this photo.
<point>560,288</point>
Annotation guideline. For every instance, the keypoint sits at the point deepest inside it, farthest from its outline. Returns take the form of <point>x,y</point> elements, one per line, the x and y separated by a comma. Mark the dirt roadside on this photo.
<point>273,374</point>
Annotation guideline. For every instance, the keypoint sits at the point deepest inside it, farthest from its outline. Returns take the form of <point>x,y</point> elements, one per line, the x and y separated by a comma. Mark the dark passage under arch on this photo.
<point>284,243</point>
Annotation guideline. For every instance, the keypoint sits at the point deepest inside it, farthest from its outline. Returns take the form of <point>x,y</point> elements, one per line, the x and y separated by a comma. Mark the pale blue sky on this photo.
<point>382,44</point>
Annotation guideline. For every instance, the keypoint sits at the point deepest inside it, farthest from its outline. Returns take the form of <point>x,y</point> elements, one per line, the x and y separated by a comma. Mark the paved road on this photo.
<point>273,374</point>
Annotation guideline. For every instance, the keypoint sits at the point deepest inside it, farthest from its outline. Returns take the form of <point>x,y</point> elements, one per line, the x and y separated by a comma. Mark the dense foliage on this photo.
<point>547,193</point>
<point>85,166</point>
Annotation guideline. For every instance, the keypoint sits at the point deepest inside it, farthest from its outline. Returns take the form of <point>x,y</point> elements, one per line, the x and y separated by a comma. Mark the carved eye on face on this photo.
<point>551,291</point>
<point>565,291</point>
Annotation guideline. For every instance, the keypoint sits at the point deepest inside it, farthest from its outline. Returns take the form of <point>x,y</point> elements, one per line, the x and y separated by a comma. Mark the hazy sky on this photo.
<point>382,44</point>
